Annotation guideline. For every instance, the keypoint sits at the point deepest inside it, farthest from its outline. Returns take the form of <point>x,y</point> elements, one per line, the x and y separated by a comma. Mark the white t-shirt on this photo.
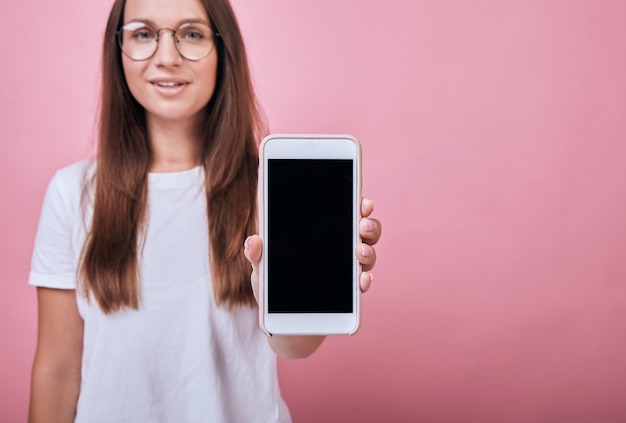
<point>179,358</point>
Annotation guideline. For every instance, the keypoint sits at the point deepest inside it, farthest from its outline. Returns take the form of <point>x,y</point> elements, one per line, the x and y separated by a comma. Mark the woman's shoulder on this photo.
<point>77,170</point>
<point>70,181</point>
<point>77,173</point>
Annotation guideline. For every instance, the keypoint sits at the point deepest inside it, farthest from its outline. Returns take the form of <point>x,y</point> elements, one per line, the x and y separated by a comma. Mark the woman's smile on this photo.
<point>169,87</point>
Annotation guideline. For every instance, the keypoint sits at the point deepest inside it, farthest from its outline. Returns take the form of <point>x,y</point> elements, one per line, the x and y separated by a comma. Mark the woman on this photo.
<point>146,304</point>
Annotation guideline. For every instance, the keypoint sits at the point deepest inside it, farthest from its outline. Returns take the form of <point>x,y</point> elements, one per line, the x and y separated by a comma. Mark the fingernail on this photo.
<point>368,225</point>
<point>366,251</point>
<point>245,244</point>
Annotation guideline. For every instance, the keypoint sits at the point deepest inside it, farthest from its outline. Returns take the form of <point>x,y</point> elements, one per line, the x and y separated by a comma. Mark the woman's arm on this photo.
<point>55,379</point>
<point>303,346</point>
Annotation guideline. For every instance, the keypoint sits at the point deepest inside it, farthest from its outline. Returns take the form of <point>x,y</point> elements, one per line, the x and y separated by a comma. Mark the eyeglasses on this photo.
<point>139,40</point>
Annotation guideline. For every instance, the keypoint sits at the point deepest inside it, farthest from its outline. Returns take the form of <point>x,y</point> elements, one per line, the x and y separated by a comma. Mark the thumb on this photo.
<point>253,249</point>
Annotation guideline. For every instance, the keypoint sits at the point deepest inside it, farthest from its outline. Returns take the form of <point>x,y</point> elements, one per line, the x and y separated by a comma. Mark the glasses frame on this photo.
<point>118,33</point>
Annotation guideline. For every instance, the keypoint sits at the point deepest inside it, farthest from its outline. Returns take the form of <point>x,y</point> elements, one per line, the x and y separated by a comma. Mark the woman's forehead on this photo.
<point>165,12</point>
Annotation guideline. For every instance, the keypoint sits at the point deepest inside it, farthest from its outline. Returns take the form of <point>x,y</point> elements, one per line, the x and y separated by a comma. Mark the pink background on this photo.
<point>494,139</point>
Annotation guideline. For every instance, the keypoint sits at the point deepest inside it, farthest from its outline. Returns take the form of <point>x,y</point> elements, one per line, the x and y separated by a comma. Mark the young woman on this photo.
<point>143,257</point>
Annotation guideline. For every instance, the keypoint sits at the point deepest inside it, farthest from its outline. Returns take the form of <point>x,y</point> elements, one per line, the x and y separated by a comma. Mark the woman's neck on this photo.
<point>175,146</point>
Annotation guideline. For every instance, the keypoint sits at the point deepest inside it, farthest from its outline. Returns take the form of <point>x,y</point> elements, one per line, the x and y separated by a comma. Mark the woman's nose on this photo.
<point>167,53</point>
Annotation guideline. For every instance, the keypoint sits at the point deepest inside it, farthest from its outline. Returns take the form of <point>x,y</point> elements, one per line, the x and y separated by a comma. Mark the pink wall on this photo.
<point>494,139</point>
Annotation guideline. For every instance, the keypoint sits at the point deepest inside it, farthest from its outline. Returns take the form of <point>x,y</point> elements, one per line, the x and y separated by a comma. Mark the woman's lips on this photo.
<point>168,87</point>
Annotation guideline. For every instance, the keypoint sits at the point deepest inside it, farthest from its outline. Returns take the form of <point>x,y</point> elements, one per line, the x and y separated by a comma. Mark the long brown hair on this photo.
<point>110,261</point>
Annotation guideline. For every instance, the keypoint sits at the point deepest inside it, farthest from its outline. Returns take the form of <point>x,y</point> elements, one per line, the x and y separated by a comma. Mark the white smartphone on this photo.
<point>309,211</point>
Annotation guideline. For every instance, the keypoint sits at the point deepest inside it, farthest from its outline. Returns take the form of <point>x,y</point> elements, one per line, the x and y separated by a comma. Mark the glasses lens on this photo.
<point>194,40</point>
<point>137,40</point>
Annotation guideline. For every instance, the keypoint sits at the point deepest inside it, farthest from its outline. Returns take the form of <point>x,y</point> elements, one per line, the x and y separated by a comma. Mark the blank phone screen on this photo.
<point>310,248</point>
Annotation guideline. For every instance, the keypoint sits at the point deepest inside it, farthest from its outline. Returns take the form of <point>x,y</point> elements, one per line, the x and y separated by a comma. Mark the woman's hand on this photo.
<point>369,229</point>
<point>303,346</point>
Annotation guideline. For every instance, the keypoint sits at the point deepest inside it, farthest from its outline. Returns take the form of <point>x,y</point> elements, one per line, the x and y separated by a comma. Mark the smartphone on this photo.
<point>309,211</point>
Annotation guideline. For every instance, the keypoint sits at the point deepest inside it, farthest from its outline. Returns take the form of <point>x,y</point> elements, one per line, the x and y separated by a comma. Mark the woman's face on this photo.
<point>171,88</point>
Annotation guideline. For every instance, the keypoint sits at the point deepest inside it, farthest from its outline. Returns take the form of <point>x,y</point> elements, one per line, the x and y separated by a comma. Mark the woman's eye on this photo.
<point>193,35</point>
<point>143,35</point>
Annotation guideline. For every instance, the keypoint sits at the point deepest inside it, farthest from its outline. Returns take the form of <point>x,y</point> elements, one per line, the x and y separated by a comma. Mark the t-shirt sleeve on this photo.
<point>53,264</point>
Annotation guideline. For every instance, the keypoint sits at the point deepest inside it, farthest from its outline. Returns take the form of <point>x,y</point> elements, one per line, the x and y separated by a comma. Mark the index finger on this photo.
<point>367,207</point>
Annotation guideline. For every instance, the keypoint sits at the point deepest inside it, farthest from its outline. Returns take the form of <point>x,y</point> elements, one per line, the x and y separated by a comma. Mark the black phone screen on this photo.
<point>310,235</point>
